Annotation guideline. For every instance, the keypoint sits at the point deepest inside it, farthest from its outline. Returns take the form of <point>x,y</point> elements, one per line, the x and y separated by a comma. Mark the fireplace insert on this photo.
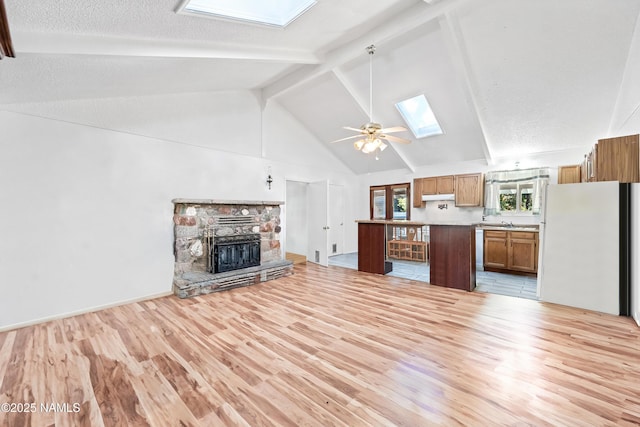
<point>235,252</point>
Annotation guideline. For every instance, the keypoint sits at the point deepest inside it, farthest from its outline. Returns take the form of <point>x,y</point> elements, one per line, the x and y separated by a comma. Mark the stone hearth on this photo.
<point>197,224</point>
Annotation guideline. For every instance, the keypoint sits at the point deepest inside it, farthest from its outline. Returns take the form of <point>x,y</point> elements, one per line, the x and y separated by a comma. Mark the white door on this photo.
<point>318,224</point>
<point>336,219</point>
<point>296,234</point>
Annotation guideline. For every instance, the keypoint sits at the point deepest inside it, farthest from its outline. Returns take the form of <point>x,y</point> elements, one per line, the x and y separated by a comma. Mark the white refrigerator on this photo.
<point>579,256</point>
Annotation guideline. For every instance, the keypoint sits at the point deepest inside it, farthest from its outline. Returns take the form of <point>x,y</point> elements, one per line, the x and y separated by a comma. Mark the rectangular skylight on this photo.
<point>276,13</point>
<point>419,116</point>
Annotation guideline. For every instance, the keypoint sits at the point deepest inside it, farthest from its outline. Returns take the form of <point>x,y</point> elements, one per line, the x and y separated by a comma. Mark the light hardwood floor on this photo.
<point>327,346</point>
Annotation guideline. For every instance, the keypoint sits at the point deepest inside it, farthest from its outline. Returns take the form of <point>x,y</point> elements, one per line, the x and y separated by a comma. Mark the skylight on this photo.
<point>279,13</point>
<point>419,116</point>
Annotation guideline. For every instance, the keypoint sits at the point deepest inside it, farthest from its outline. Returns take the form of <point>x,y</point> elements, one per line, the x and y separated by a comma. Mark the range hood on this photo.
<point>437,197</point>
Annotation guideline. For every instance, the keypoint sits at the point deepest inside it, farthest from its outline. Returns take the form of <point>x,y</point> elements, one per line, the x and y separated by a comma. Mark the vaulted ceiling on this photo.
<point>504,77</point>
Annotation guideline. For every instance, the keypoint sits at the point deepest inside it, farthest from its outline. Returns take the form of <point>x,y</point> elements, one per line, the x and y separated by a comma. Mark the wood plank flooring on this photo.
<point>326,347</point>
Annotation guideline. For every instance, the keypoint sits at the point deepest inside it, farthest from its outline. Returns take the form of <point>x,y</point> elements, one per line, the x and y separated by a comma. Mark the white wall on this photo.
<point>626,117</point>
<point>87,218</point>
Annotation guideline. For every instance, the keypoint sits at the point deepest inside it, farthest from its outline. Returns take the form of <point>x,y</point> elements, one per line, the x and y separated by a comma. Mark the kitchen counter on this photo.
<point>505,227</point>
<point>389,222</point>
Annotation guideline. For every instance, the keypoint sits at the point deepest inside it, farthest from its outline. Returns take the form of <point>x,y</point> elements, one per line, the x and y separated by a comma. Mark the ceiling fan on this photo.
<point>372,134</point>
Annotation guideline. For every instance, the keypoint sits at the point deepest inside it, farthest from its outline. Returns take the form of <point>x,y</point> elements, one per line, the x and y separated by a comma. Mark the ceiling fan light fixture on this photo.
<point>369,147</point>
<point>372,133</point>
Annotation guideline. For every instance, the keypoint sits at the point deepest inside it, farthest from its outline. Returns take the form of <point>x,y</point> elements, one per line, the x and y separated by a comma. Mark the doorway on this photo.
<point>314,221</point>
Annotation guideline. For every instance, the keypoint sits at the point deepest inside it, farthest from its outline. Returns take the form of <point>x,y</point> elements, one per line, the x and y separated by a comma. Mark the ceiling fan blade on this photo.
<point>395,139</point>
<point>344,139</point>
<point>393,129</point>
<point>353,129</point>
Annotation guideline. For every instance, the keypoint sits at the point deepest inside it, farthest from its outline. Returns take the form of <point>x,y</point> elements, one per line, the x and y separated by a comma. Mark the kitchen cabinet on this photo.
<point>511,251</point>
<point>616,159</point>
<point>613,159</point>
<point>417,192</point>
<point>569,174</point>
<point>437,185</point>
<point>523,251</point>
<point>495,249</point>
<point>453,256</point>
<point>468,190</point>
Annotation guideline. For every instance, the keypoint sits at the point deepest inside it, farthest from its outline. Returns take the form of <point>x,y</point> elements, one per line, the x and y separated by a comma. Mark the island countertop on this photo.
<point>390,222</point>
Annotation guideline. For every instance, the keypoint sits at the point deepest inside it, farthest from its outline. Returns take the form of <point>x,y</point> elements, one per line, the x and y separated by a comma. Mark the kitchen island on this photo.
<point>451,249</point>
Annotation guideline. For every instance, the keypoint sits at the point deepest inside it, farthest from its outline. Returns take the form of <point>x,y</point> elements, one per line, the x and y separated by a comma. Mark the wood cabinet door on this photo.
<point>444,184</point>
<point>417,193</point>
<point>495,249</point>
<point>616,159</point>
<point>569,174</point>
<point>468,190</point>
<point>523,254</point>
<point>429,186</point>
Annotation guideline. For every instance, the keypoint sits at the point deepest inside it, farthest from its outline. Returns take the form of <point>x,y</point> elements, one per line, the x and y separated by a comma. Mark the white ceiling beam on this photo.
<point>362,103</point>
<point>452,35</point>
<point>83,44</point>
<point>405,21</point>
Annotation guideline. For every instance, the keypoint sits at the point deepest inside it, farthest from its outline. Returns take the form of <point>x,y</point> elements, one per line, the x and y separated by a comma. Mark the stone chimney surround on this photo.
<point>197,224</point>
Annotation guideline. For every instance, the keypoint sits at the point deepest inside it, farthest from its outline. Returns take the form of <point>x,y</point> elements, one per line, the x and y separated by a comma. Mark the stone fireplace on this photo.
<point>226,244</point>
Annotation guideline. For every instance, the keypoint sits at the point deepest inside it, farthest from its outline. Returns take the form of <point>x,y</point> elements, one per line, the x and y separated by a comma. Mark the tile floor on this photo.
<point>495,283</point>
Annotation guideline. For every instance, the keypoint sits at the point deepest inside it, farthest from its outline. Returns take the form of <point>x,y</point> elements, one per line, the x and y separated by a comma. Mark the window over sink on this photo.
<point>516,197</point>
<point>515,192</point>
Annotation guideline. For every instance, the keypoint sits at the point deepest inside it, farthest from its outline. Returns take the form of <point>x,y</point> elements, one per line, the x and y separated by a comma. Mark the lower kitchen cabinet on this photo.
<point>511,251</point>
<point>523,251</point>
<point>495,249</point>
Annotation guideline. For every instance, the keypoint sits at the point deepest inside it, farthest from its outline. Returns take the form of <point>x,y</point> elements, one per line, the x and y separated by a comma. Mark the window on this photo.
<point>379,203</point>
<point>516,197</point>
<point>279,14</point>
<point>417,113</point>
<point>399,202</point>
<point>515,192</point>
<point>390,202</point>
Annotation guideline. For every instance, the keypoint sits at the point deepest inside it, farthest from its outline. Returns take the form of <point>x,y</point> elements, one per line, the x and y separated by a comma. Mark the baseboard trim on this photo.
<point>83,311</point>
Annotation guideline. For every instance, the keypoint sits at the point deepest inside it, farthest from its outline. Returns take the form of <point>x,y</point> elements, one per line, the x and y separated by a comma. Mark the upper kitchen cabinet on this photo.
<point>569,174</point>
<point>468,190</point>
<point>617,159</point>
<point>431,186</point>
<point>417,192</point>
<point>613,159</point>
<point>437,185</point>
